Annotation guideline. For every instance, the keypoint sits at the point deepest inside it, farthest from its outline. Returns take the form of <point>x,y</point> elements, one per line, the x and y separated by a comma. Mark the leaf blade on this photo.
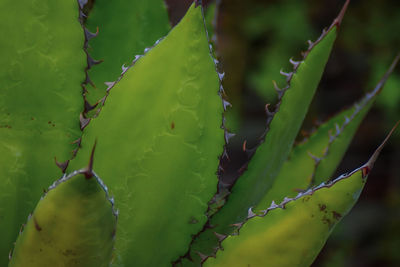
<point>168,169</point>
<point>298,226</point>
<point>40,102</point>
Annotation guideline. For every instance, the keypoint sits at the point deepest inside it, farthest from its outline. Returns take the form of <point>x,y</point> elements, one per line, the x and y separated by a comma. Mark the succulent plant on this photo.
<point>155,139</point>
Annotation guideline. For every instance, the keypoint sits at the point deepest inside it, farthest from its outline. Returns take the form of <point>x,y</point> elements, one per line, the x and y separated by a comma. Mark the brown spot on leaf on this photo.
<point>38,228</point>
<point>322,207</point>
<point>172,125</point>
<point>336,215</point>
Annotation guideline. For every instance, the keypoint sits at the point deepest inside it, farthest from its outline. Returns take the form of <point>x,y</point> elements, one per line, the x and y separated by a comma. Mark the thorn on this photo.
<point>90,35</point>
<point>88,107</point>
<point>250,213</point>
<point>315,158</point>
<point>220,237</point>
<point>91,61</point>
<point>267,111</point>
<point>337,128</point>
<point>221,76</point>
<point>228,136</point>
<point>277,89</point>
<point>62,165</point>
<point>220,169</point>
<point>310,44</point>
<point>82,3</point>
<point>238,225</point>
<point>89,169</point>
<point>225,155</point>
<point>366,168</point>
<point>288,75</point>
<point>226,104</point>
<point>89,81</point>
<point>83,121</point>
<point>221,90</point>
<point>273,205</point>
<point>346,119</point>
<point>339,18</point>
<point>124,68</point>
<point>109,84</point>
<point>202,256</point>
<point>294,63</point>
<point>244,146</point>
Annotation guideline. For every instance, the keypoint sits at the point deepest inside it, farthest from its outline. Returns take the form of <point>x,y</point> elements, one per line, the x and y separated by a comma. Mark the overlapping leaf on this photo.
<point>74,224</point>
<point>298,226</point>
<point>42,67</point>
<point>123,29</point>
<point>159,137</point>
<point>284,125</point>
<point>316,159</point>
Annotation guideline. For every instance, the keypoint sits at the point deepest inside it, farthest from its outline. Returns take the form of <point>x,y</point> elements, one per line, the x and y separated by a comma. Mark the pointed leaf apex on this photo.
<point>366,168</point>
<point>339,18</point>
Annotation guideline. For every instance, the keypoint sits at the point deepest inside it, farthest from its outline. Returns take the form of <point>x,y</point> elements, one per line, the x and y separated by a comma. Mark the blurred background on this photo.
<point>254,39</point>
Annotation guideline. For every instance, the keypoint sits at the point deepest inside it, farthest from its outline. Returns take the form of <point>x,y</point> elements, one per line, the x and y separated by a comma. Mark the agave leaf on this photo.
<point>42,66</point>
<point>316,159</point>
<point>122,29</point>
<point>264,166</point>
<point>290,112</point>
<point>298,227</point>
<point>159,137</point>
<point>74,224</point>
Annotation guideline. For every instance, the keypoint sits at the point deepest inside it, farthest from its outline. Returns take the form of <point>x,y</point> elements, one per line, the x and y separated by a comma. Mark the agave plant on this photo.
<point>160,137</point>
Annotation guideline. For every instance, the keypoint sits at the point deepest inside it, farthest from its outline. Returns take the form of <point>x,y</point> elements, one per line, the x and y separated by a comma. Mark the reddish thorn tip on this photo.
<point>339,18</point>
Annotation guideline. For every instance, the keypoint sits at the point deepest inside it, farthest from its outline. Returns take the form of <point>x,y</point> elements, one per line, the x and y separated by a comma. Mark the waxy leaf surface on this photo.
<point>293,235</point>
<point>316,159</point>
<point>73,225</point>
<point>158,137</point>
<point>42,66</point>
<point>267,161</point>
<point>124,29</point>
<point>298,226</point>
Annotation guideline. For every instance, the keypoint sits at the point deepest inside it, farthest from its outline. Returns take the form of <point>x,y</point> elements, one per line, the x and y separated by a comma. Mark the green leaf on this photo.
<point>42,67</point>
<point>293,232</point>
<point>125,29</point>
<point>159,137</point>
<point>316,159</point>
<point>74,224</point>
<point>264,166</point>
<point>270,156</point>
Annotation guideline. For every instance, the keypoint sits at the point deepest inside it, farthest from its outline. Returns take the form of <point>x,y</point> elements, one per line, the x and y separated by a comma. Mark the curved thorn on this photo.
<point>366,168</point>
<point>89,169</point>
<point>339,18</point>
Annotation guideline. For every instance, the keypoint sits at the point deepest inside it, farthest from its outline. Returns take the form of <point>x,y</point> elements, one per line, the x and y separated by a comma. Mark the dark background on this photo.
<point>256,38</point>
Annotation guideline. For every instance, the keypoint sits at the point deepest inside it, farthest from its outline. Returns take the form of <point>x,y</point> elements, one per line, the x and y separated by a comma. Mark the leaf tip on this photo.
<point>366,168</point>
<point>339,18</point>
